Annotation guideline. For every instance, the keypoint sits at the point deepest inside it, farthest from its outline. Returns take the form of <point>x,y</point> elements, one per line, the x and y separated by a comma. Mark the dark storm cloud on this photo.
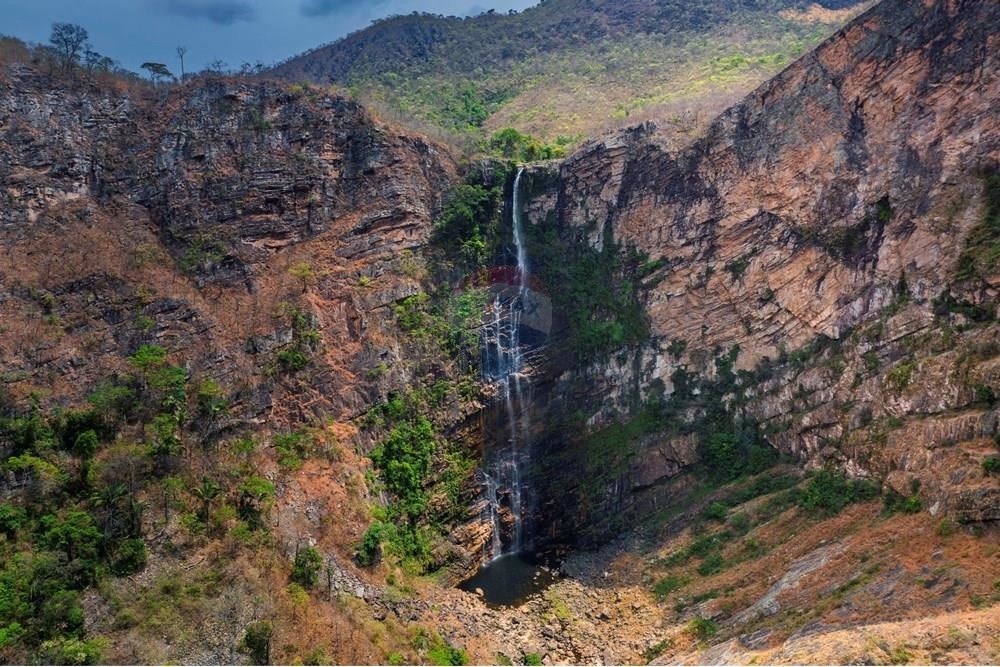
<point>327,7</point>
<point>222,12</point>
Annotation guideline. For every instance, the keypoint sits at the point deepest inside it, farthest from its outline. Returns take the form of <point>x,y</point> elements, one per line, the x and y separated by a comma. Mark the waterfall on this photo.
<point>503,363</point>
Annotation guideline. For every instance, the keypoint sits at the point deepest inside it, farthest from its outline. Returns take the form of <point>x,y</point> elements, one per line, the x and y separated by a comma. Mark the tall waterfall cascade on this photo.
<point>516,320</point>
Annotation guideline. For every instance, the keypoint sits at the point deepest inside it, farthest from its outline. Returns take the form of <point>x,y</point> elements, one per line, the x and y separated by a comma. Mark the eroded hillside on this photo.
<point>197,283</point>
<point>241,416</point>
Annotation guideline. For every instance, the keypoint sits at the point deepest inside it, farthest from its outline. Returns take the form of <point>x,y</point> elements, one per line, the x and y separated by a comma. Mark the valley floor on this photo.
<point>860,587</point>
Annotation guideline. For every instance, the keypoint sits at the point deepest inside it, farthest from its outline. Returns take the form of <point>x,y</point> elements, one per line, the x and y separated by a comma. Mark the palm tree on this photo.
<point>133,517</point>
<point>206,492</point>
<point>106,501</point>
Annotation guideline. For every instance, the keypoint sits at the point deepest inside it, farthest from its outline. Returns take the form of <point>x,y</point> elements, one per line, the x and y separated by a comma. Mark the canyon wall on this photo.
<point>808,248</point>
<point>191,207</point>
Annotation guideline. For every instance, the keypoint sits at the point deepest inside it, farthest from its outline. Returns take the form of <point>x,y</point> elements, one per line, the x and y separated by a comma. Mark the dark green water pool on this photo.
<point>509,580</point>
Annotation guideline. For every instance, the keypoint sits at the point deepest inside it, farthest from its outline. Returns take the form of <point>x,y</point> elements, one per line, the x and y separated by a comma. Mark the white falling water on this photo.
<point>503,364</point>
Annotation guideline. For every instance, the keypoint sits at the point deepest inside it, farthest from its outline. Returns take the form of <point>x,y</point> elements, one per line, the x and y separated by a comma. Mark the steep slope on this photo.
<point>237,183</point>
<point>569,66</point>
<point>818,263</point>
<point>212,265</point>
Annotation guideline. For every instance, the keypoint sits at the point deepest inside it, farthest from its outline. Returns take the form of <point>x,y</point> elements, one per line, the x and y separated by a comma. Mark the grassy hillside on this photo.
<point>571,67</point>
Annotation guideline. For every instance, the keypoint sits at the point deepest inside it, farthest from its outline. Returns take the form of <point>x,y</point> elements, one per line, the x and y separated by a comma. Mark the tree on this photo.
<point>256,495</point>
<point>206,493</point>
<point>304,272</point>
<point>249,69</point>
<point>147,358</point>
<point>157,71</point>
<point>75,535</point>
<point>403,461</point>
<point>217,66</point>
<point>95,62</point>
<point>257,642</point>
<point>305,569</point>
<point>107,501</point>
<point>85,446</point>
<point>68,40</point>
<point>181,51</point>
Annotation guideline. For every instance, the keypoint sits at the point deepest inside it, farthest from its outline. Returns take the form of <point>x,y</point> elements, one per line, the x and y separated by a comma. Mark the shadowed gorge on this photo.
<point>285,381</point>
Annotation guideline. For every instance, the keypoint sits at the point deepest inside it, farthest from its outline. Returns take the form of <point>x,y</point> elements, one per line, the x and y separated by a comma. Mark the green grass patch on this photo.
<point>668,585</point>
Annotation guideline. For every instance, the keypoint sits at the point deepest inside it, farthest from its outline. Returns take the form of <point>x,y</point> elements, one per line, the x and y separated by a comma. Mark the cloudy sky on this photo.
<point>234,31</point>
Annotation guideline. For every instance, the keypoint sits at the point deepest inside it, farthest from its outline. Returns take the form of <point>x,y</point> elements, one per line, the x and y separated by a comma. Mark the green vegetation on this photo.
<point>946,527</point>
<point>305,342</point>
<point>403,460</point>
<point>303,271</point>
<point>726,456</point>
<point>257,642</point>
<point>203,251</point>
<point>656,649</point>
<point>468,228</point>
<point>533,71</point>
<point>991,465</point>
<point>715,512</point>
<point>305,569</point>
<point>947,303</point>
<point>589,288</point>
<point>415,465</point>
<point>894,502</point>
<point>737,267</point>
<point>447,323</point>
<point>370,549</point>
<point>677,347</point>
<point>668,585</point>
<point>898,377</point>
<point>606,453</point>
<point>980,257</point>
<point>437,650</point>
<point>711,564</point>
<point>828,492</point>
<point>293,449</point>
<point>60,536</point>
<point>703,628</point>
<point>510,144</point>
<point>90,484</point>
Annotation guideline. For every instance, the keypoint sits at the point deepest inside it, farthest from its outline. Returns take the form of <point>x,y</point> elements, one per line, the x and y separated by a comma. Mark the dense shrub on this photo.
<point>828,492</point>
<point>991,465</point>
<point>703,628</point>
<point>403,460</point>
<point>305,569</point>
<point>668,585</point>
<point>370,549</point>
<point>257,642</point>
<point>131,557</point>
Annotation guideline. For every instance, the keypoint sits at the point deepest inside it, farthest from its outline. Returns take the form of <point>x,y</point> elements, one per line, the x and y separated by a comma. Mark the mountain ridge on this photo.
<point>524,69</point>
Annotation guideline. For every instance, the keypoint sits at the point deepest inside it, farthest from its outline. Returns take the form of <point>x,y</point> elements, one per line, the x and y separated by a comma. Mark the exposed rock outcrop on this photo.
<point>839,194</point>
<point>133,198</point>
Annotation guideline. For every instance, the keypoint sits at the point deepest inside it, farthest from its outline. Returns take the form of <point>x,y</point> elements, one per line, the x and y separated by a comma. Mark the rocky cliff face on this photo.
<point>190,208</point>
<point>823,216</point>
